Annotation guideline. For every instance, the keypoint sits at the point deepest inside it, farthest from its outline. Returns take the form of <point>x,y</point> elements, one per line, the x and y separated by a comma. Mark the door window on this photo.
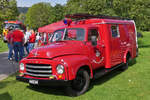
<point>115,31</point>
<point>94,33</point>
<point>93,36</point>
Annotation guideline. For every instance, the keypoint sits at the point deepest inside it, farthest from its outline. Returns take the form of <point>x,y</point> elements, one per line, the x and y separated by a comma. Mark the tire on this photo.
<point>80,84</point>
<point>125,65</point>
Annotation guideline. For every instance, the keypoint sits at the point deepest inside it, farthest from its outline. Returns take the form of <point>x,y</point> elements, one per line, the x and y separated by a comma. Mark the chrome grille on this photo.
<point>39,70</point>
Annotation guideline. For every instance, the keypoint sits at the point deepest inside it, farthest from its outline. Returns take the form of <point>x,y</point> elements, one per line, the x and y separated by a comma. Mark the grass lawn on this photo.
<point>132,84</point>
<point>3,46</point>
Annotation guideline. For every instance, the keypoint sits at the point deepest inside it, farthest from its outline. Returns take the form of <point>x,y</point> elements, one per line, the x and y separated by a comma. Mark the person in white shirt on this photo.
<point>27,35</point>
<point>37,39</point>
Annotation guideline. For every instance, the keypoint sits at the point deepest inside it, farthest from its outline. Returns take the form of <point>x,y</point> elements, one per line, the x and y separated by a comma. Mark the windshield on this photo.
<point>12,24</point>
<point>57,35</point>
<point>69,34</point>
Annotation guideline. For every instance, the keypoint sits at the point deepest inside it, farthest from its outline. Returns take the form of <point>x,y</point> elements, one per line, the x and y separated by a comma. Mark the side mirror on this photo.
<point>93,40</point>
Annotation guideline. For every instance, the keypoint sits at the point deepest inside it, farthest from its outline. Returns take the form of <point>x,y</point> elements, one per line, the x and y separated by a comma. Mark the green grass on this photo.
<point>132,84</point>
<point>3,46</point>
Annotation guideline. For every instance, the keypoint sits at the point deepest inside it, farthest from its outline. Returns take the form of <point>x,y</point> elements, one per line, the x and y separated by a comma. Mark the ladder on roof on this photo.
<point>88,16</point>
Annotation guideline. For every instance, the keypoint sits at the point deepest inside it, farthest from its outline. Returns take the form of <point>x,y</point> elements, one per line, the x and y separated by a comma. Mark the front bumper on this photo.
<point>44,82</point>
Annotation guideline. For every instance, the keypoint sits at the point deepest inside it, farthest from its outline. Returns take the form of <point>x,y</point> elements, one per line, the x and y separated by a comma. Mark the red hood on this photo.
<point>59,49</point>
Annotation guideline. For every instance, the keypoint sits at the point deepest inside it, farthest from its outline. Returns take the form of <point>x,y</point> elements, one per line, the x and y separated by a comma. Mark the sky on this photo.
<point>29,3</point>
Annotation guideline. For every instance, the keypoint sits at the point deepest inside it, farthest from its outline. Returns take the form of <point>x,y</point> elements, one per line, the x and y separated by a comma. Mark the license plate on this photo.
<point>33,81</point>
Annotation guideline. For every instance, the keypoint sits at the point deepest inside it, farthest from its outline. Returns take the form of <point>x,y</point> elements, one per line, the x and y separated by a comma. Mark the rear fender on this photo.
<point>125,55</point>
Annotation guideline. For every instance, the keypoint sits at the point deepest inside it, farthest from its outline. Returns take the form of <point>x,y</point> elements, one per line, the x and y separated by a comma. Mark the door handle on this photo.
<point>103,46</point>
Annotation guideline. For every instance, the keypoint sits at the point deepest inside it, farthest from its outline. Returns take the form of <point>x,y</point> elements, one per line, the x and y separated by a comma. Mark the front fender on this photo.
<point>74,63</point>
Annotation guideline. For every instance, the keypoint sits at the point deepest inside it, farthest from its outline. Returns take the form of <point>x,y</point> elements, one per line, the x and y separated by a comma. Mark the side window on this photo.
<point>115,31</point>
<point>93,33</point>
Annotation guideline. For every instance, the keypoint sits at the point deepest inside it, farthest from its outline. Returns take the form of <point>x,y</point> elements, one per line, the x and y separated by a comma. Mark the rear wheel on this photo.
<point>80,84</point>
<point>125,65</point>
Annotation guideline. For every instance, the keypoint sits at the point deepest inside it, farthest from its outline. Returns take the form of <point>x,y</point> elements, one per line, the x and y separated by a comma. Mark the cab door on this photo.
<point>96,48</point>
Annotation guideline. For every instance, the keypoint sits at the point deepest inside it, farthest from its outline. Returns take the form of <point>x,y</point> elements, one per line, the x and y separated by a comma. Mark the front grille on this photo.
<point>39,70</point>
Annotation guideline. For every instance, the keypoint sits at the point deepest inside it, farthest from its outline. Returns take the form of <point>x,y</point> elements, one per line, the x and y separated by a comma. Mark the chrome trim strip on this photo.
<point>42,67</point>
<point>38,71</point>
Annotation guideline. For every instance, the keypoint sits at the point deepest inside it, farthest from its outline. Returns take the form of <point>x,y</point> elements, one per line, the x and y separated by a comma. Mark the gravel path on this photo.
<point>7,67</point>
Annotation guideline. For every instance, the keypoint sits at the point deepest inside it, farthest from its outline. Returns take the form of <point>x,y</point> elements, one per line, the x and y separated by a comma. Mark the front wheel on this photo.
<point>80,84</point>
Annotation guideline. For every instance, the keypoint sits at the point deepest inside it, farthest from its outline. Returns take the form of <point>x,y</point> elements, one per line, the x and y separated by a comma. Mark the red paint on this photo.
<point>73,54</point>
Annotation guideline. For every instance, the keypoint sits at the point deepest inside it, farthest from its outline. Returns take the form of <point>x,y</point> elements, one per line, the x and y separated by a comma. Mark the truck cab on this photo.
<point>79,52</point>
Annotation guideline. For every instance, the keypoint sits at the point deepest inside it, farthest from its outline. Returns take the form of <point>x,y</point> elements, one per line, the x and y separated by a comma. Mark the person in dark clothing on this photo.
<point>10,46</point>
<point>18,41</point>
<point>32,41</point>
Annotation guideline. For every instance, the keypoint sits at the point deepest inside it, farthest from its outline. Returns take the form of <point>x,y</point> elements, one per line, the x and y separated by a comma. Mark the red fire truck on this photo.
<point>15,24</point>
<point>86,49</point>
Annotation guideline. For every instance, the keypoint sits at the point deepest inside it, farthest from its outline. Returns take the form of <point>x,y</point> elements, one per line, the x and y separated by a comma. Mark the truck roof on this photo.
<point>15,22</point>
<point>98,19</point>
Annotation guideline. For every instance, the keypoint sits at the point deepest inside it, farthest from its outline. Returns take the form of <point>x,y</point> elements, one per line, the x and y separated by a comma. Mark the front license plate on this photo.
<point>33,81</point>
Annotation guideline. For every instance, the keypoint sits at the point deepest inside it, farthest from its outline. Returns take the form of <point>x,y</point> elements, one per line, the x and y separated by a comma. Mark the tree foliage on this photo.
<point>57,13</point>
<point>139,10</point>
<point>8,11</point>
<point>22,17</point>
<point>38,15</point>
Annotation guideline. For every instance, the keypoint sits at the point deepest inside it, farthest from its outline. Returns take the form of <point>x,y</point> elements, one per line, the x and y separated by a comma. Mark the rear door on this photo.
<point>124,38</point>
<point>115,45</point>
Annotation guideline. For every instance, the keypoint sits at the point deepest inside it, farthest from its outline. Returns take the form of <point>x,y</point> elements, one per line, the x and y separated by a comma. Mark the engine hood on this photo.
<point>59,49</point>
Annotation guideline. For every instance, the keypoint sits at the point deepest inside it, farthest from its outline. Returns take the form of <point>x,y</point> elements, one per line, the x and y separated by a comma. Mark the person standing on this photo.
<point>27,35</point>
<point>18,41</point>
<point>37,40</point>
<point>10,46</point>
<point>31,40</point>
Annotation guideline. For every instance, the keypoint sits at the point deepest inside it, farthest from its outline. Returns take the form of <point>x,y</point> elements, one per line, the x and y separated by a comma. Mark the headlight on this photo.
<point>60,69</point>
<point>21,67</point>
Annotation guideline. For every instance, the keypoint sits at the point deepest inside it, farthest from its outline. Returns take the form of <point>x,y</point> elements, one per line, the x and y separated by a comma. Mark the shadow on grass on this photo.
<point>144,46</point>
<point>60,91</point>
<point>49,90</point>
<point>5,96</point>
<point>109,75</point>
<point>104,78</point>
<point>132,62</point>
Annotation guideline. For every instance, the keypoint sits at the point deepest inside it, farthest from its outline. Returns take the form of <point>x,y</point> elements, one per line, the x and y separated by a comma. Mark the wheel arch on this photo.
<point>88,69</point>
<point>76,62</point>
<point>127,54</point>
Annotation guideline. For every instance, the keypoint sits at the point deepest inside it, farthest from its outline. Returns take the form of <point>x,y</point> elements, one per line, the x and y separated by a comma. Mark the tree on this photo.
<point>22,17</point>
<point>138,10</point>
<point>38,15</point>
<point>8,11</point>
<point>57,13</point>
<point>75,6</point>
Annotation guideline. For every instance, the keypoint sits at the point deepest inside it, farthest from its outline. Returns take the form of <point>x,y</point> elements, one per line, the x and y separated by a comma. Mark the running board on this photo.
<point>101,72</point>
